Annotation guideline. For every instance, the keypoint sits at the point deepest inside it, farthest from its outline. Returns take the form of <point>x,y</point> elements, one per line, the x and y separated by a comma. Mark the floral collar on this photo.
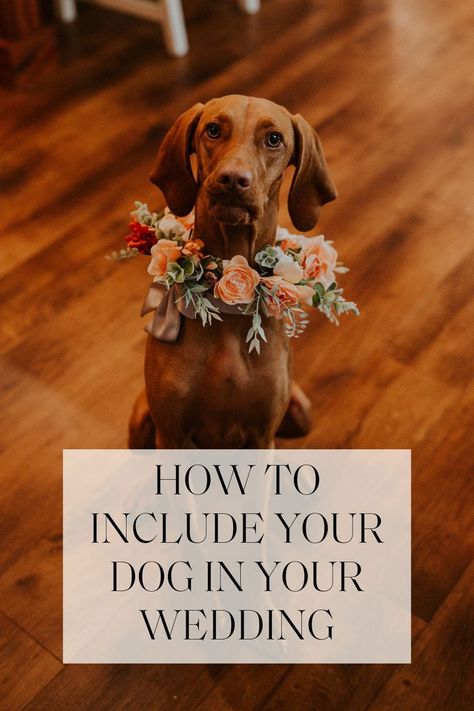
<point>294,273</point>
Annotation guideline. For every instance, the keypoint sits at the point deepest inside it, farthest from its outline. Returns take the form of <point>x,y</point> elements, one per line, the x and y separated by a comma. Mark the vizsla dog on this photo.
<point>205,390</point>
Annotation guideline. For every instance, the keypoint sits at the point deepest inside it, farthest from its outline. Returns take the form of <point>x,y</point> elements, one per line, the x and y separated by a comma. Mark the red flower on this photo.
<point>142,237</point>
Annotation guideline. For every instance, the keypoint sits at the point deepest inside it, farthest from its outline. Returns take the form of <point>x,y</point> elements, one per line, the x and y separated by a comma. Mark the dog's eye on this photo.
<point>273,139</point>
<point>213,130</point>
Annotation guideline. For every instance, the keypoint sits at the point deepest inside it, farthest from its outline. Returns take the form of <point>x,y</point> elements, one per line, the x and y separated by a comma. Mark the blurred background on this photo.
<point>87,92</point>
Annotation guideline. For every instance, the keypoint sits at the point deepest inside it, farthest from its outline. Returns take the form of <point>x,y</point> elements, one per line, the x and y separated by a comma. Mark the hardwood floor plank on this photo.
<point>126,686</point>
<point>440,677</point>
<point>442,534</point>
<point>330,686</point>
<point>244,686</point>
<point>25,667</point>
<point>31,592</point>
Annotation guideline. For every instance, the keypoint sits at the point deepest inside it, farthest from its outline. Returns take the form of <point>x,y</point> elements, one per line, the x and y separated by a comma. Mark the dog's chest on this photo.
<point>240,385</point>
<point>209,388</point>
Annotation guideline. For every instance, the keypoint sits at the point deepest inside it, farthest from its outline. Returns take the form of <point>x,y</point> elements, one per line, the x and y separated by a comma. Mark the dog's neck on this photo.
<point>226,241</point>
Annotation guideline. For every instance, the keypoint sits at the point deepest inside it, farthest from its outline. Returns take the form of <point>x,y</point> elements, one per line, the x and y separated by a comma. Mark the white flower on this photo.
<point>283,235</point>
<point>170,226</point>
<point>288,269</point>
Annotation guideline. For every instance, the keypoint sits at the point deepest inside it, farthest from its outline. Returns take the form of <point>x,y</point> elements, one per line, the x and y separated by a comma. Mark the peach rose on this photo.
<point>237,283</point>
<point>286,294</point>
<point>289,243</point>
<point>193,246</point>
<point>319,260</point>
<point>162,253</point>
<point>286,240</point>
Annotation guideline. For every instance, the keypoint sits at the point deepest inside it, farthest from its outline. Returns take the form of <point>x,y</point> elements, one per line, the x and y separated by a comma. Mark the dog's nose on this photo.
<point>235,180</point>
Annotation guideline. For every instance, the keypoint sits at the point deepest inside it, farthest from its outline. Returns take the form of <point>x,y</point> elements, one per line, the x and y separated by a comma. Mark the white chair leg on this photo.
<point>249,6</point>
<point>66,10</point>
<point>174,29</point>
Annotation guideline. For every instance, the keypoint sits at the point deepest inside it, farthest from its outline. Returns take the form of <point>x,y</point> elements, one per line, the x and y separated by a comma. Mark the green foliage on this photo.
<point>268,257</point>
<point>202,306</point>
<point>125,253</point>
<point>331,302</point>
<point>175,274</point>
<point>143,215</point>
<point>256,330</point>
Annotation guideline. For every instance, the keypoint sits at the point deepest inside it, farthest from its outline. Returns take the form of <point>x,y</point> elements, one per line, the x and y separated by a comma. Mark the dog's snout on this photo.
<point>235,180</point>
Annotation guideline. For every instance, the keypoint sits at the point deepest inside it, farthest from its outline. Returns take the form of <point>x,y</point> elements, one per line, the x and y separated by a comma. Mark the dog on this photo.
<point>205,390</point>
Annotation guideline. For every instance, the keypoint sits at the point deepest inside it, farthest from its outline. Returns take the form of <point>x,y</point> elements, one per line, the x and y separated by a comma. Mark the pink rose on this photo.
<point>162,253</point>
<point>237,283</point>
<point>319,260</point>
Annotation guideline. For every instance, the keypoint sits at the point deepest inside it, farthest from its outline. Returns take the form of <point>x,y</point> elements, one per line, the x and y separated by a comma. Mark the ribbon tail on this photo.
<point>166,322</point>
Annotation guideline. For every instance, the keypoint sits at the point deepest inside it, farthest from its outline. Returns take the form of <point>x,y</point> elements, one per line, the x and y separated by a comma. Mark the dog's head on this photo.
<point>243,146</point>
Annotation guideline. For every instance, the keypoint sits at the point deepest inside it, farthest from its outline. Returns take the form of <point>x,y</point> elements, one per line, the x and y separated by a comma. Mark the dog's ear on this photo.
<point>312,185</point>
<point>173,173</point>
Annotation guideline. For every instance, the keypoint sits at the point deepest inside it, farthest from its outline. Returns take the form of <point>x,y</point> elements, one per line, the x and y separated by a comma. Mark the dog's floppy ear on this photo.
<point>172,172</point>
<point>312,185</point>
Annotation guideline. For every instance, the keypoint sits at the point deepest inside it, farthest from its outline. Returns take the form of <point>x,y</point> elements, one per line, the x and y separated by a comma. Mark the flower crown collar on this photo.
<point>294,273</point>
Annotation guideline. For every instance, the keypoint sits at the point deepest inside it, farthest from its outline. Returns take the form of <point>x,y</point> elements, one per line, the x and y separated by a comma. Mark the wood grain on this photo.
<point>390,87</point>
<point>25,666</point>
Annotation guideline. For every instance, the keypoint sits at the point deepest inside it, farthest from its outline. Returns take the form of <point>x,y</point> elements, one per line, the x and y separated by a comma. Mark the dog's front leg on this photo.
<point>141,428</point>
<point>296,421</point>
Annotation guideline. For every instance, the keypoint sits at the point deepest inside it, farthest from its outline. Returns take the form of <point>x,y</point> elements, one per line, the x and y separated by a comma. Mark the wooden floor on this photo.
<point>390,86</point>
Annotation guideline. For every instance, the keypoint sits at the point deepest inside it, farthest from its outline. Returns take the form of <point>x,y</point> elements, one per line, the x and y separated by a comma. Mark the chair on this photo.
<point>167,12</point>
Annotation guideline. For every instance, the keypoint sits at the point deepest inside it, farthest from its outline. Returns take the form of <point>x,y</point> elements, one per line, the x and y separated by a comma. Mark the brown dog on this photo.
<point>205,390</point>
